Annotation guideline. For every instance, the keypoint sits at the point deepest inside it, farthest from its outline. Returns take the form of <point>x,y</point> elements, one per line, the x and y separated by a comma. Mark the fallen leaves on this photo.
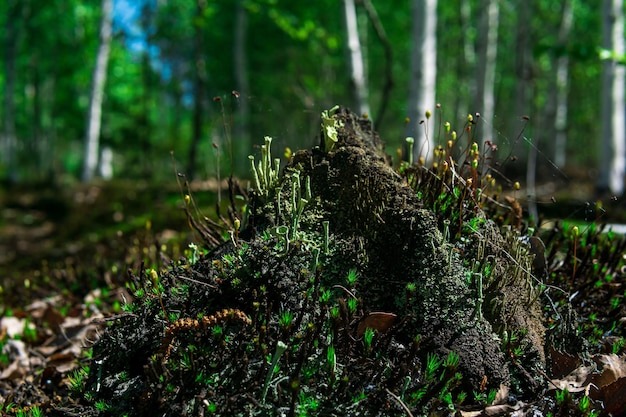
<point>43,342</point>
<point>378,321</point>
<point>602,379</point>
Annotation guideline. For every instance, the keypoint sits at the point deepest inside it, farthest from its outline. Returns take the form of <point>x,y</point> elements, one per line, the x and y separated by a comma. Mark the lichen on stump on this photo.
<point>337,210</point>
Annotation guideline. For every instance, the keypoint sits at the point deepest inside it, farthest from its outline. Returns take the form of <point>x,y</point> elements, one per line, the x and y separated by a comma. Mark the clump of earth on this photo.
<point>335,293</point>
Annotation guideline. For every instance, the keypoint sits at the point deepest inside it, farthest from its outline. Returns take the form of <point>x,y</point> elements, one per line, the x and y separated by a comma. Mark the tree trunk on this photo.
<point>423,76</point>
<point>198,90</point>
<point>384,40</point>
<point>241,138</point>
<point>487,55</point>
<point>524,75</point>
<point>467,65</point>
<point>9,137</point>
<point>355,60</point>
<point>92,139</point>
<point>561,86</point>
<point>148,88</point>
<point>613,128</point>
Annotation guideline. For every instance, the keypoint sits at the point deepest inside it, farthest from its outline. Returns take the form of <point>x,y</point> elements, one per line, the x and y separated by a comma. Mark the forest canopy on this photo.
<point>207,80</point>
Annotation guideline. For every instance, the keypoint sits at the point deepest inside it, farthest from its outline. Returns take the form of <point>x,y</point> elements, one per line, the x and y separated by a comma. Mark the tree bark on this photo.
<point>384,40</point>
<point>524,76</point>
<point>487,55</point>
<point>355,60</point>
<point>613,128</point>
<point>9,135</point>
<point>467,66</point>
<point>423,76</point>
<point>561,86</point>
<point>199,88</point>
<point>94,119</point>
<point>241,128</point>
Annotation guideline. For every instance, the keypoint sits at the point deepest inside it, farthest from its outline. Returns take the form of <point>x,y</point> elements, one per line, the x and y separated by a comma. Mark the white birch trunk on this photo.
<point>488,52</point>
<point>612,164</point>
<point>357,69</point>
<point>423,77</point>
<point>94,119</point>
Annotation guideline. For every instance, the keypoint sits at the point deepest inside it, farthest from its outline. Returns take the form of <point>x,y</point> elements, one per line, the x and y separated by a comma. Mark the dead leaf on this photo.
<point>576,381</point>
<point>562,363</point>
<point>14,371</point>
<point>614,397</point>
<point>613,367</point>
<point>378,321</point>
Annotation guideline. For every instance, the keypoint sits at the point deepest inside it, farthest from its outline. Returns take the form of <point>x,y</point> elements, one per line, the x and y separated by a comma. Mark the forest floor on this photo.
<point>65,254</point>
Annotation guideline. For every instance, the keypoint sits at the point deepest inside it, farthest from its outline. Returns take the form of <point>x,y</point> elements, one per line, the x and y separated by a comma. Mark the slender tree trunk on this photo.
<point>524,76</point>
<point>36,119</point>
<point>357,69</point>
<point>9,137</point>
<point>147,90</point>
<point>92,139</point>
<point>561,87</point>
<point>487,55</point>
<point>241,140</point>
<point>467,65</point>
<point>199,87</point>
<point>613,129</point>
<point>384,40</point>
<point>423,77</point>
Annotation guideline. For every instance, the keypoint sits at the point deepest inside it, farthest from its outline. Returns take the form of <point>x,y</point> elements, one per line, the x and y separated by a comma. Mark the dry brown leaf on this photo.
<point>614,397</point>
<point>562,363</point>
<point>502,396</point>
<point>52,317</point>
<point>378,321</point>
<point>613,367</point>
<point>14,370</point>
<point>576,381</point>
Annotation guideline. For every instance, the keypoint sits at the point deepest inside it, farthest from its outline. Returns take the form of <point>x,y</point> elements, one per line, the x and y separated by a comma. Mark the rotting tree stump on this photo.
<point>289,278</point>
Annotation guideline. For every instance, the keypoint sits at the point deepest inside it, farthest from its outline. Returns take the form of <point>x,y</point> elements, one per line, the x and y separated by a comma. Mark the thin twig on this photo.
<point>399,401</point>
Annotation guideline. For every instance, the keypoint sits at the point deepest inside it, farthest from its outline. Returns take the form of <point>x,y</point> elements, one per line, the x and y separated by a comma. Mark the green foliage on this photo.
<point>77,379</point>
<point>148,109</point>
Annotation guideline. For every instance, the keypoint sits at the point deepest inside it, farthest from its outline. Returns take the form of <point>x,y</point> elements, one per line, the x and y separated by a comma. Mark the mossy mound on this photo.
<point>274,321</point>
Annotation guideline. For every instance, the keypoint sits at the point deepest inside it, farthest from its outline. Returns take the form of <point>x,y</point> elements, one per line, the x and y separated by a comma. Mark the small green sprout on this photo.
<point>77,379</point>
<point>432,365</point>
<point>352,276</point>
<point>211,407</point>
<point>101,405</point>
<point>452,361</point>
<point>491,397</point>
<point>285,319</point>
<point>352,304</point>
<point>217,331</point>
<point>359,397</point>
<point>331,358</point>
<point>368,337</point>
<point>584,404</point>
